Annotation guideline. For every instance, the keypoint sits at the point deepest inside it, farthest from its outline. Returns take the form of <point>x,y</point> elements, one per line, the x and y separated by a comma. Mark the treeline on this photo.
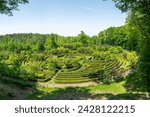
<point>124,36</point>
<point>41,42</point>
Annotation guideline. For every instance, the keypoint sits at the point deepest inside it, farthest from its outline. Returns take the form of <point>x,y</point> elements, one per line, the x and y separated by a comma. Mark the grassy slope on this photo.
<point>125,89</point>
<point>118,90</point>
<point>13,91</point>
<point>131,87</point>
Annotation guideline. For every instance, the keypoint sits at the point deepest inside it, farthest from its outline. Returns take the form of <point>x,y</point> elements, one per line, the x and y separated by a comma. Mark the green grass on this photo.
<point>77,93</point>
<point>108,88</point>
<point>125,89</point>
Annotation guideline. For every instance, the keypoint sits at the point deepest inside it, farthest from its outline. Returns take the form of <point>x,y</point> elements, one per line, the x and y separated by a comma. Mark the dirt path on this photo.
<point>66,85</point>
<point>46,84</point>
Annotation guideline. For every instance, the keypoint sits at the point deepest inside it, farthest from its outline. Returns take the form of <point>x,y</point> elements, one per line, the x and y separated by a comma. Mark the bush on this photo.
<point>84,50</point>
<point>74,65</point>
<point>102,75</point>
<point>60,52</point>
<point>69,46</point>
<point>76,46</point>
<point>102,48</point>
<point>100,55</point>
<point>116,50</point>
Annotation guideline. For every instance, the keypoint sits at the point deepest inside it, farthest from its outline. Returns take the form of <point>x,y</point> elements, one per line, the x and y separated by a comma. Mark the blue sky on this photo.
<point>64,17</point>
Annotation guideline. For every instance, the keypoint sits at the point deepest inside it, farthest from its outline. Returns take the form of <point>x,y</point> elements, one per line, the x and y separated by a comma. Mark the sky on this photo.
<point>63,17</point>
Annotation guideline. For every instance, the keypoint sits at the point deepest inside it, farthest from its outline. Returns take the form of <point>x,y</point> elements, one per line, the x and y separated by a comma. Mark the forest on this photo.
<point>114,64</point>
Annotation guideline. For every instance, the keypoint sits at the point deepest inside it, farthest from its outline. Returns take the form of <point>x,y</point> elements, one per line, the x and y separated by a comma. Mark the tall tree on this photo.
<point>83,38</point>
<point>53,43</point>
<point>140,16</point>
<point>8,6</point>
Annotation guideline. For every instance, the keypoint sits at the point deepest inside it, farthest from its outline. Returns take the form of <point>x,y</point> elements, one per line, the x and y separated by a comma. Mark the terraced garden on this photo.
<point>95,68</point>
<point>78,69</point>
<point>115,68</point>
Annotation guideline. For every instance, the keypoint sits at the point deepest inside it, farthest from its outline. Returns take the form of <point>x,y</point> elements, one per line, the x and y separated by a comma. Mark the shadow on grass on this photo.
<point>136,83</point>
<point>83,94</point>
<point>135,86</point>
<point>62,94</point>
<point>22,90</point>
<point>10,89</point>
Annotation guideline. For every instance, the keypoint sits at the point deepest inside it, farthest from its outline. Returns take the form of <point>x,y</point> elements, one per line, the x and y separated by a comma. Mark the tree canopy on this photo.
<point>8,6</point>
<point>139,17</point>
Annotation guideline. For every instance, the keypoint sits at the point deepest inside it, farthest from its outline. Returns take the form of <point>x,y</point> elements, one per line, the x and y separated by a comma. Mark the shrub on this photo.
<point>116,50</point>
<point>69,46</point>
<point>102,48</point>
<point>84,50</point>
<point>72,65</point>
<point>60,51</point>
<point>102,75</point>
<point>100,55</point>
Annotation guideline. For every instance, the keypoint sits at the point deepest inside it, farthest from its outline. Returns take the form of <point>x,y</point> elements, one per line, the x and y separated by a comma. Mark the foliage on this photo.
<point>139,16</point>
<point>7,6</point>
<point>83,38</point>
<point>39,57</point>
<point>124,36</point>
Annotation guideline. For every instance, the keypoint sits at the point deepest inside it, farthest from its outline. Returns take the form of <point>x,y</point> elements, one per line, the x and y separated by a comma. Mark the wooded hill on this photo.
<point>30,60</point>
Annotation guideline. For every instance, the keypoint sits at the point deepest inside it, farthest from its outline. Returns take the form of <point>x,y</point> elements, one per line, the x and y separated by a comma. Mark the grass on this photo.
<point>91,92</point>
<point>117,90</point>
<point>127,88</point>
<point>108,88</point>
<point>121,90</point>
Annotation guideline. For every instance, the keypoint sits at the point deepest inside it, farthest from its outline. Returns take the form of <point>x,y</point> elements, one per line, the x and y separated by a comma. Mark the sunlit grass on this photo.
<point>108,88</point>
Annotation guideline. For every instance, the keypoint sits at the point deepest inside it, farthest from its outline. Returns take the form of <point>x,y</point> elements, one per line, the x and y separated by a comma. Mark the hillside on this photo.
<point>48,66</point>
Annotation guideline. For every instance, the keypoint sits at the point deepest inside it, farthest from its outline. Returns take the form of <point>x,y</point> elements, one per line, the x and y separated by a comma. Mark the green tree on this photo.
<point>140,16</point>
<point>83,38</point>
<point>7,6</point>
<point>48,44</point>
<point>40,46</point>
<point>53,43</point>
<point>94,40</point>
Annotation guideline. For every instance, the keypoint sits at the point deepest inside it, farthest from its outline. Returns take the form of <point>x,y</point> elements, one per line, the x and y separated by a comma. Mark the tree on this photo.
<point>139,13</point>
<point>40,46</point>
<point>8,6</point>
<point>53,43</point>
<point>120,36</point>
<point>83,38</point>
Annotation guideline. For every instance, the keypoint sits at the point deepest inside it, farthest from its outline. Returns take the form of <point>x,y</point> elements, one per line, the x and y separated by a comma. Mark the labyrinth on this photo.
<point>115,68</point>
<point>64,66</point>
<point>46,67</point>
